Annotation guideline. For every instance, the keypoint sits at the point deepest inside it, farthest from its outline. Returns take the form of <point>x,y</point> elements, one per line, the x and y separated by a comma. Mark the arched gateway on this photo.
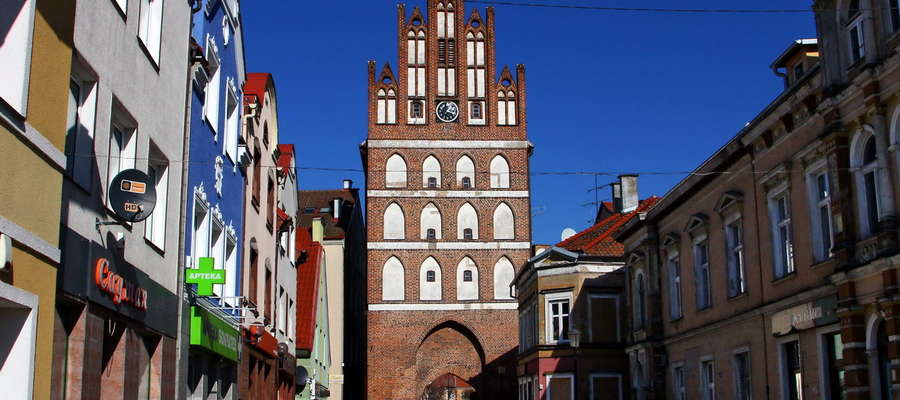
<point>449,348</point>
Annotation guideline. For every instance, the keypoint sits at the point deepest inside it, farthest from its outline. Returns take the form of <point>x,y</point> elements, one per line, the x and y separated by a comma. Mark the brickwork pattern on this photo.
<point>517,159</point>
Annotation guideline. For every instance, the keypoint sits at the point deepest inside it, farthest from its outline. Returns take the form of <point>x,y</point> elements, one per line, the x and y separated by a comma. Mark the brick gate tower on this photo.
<point>448,208</point>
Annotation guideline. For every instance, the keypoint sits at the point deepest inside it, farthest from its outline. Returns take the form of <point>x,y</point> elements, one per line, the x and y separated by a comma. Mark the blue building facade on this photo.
<point>214,206</point>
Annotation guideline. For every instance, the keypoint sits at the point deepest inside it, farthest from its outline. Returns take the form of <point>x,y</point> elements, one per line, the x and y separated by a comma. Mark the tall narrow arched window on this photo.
<point>430,220</point>
<point>395,172</point>
<point>387,106</point>
<point>392,280</point>
<point>503,277</point>
<point>467,218</point>
<point>504,223</point>
<point>431,173</point>
<point>639,298</point>
<point>476,75</point>
<point>499,173</point>
<point>465,168</point>
<point>430,280</point>
<point>394,222</point>
<point>864,161</point>
<point>506,107</point>
<point>415,77</point>
<point>446,25</point>
<point>467,289</point>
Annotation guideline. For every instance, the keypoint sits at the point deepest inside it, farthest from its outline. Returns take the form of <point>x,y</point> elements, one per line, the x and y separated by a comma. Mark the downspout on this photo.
<point>762,286</point>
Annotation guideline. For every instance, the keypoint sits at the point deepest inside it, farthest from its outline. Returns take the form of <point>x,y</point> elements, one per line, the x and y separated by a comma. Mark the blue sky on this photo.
<point>607,91</point>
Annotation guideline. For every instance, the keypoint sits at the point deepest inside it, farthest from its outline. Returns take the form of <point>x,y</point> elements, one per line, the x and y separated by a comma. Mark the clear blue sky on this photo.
<point>607,91</point>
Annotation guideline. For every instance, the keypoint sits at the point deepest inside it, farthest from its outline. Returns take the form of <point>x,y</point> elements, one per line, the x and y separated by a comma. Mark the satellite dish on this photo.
<point>567,233</point>
<point>132,195</point>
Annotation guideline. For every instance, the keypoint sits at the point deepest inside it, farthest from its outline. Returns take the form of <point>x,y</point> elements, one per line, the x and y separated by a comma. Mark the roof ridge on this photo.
<point>642,206</point>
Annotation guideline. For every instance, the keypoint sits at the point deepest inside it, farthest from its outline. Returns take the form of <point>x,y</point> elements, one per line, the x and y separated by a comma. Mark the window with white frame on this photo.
<point>707,380</point>
<point>864,160</point>
<point>856,40</point>
<point>734,248</point>
<point>16,25</point>
<point>782,237</point>
<point>465,172</point>
<point>150,26</point>
<point>81,119</point>
<point>213,86</point>
<point>741,369</point>
<point>528,327</point>
<point>122,148</point>
<point>819,190</point>
<point>430,280</point>
<point>387,106</point>
<point>217,250</point>
<point>155,224</point>
<point>791,371</point>
<point>467,280</point>
<point>678,388</point>
<point>232,120</point>
<point>557,308</point>
<point>703,295</point>
<point>231,277</point>
<point>200,233</point>
<point>673,266</point>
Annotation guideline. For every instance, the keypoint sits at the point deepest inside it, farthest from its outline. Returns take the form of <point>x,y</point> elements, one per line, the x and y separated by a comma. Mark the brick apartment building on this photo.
<point>775,276</point>
<point>448,209</point>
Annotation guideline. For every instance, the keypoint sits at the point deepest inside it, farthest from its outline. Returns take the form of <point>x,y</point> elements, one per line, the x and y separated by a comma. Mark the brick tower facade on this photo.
<point>448,209</point>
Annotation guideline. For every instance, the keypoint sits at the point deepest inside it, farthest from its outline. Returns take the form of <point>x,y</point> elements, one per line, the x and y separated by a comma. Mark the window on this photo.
<point>707,380</point>
<point>833,371</point>
<point>499,173</point>
<point>150,26</point>
<point>231,123</point>
<point>446,22</point>
<point>467,280</point>
<point>734,243</point>
<point>387,106</point>
<point>122,144</point>
<point>257,175</point>
<point>560,386</point>
<point>742,386</point>
<point>467,183</point>
<point>430,222</point>
<point>791,379</point>
<point>155,224</point>
<point>503,277</point>
<point>798,71</point>
<point>674,268</point>
<point>606,387</point>
<point>230,268</point>
<point>639,297</point>
<point>476,111</point>
<point>506,108</point>
<point>526,387</point>
<point>253,287</point>
<point>213,87</point>
<point>80,127</point>
<point>270,204</point>
<point>392,280</point>
<point>431,234</point>
<point>603,313</point>
<point>200,233</point>
<point>504,223</point>
<point>395,175</point>
<point>782,241</point>
<point>467,222</point>
<point>557,310</point>
<point>394,222</point>
<point>416,110</point>
<point>883,361</point>
<point>431,172</point>
<point>465,168</point>
<point>268,291</point>
<point>476,69</point>
<point>467,234</point>
<point>864,154</point>
<point>857,40</point>
<point>217,248</point>
<point>678,383</point>
<point>528,324</point>
<point>15,51</point>
<point>701,274</point>
<point>820,214</point>
<point>895,14</point>
<point>430,280</point>
<point>416,73</point>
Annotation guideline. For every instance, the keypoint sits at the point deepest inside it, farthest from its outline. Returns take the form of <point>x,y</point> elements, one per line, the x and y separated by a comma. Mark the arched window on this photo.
<point>446,25</point>
<point>394,222</point>
<point>387,106</point>
<point>395,175</point>
<point>503,277</point>
<point>465,168</point>
<point>864,161</point>
<point>475,76</point>
<point>499,173</point>
<point>430,280</point>
<point>467,289</point>
<point>430,221</point>
<point>639,296</point>
<point>392,280</point>
<point>506,108</point>
<point>431,172</point>
<point>504,223</point>
<point>467,218</point>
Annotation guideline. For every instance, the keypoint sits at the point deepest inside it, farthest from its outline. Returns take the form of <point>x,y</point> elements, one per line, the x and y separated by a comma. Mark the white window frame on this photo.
<point>199,243</point>
<point>597,396</point>
<point>123,158</point>
<point>858,25</point>
<point>217,249</point>
<point>675,285</point>
<point>150,27</point>
<point>230,287</point>
<point>15,51</point>
<point>122,5</point>
<point>707,381</point>
<point>734,254</point>
<point>860,171</point>
<point>591,315</point>
<point>232,119</point>
<point>213,95</point>
<point>816,206</point>
<point>679,388</point>
<point>81,161</point>
<point>697,241</point>
<point>824,377</point>
<point>155,224</point>
<point>737,378</point>
<point>780,254</point>
<point>569,375</point>
<point>549,299</point>
<point>782,368</point>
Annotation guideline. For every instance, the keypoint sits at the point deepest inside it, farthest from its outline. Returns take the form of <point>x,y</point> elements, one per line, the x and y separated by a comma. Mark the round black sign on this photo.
<point>132,195</point>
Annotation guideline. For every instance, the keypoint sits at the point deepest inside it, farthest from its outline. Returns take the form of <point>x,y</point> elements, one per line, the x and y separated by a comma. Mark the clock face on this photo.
<point>447,111</point>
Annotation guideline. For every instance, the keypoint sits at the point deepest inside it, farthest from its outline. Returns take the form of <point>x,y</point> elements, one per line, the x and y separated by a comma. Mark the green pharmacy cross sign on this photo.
<point>205,276</point>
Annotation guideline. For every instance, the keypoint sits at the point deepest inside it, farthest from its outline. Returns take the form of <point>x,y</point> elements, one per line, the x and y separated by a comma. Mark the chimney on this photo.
<point>629,190</point>
<point>318,230</point>
<point>348,184</point>
<point>617,197</point>
<point>336,208</point>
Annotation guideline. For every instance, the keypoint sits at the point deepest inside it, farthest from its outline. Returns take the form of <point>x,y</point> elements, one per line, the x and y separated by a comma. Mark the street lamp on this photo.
<point>575,342</point>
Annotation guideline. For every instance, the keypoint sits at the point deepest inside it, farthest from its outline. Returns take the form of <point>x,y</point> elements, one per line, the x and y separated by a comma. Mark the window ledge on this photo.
<point>155,247</point>
<point>786,277</point>
<point>740,296</point>
<point>704,309</point>
<point>146,51</point>
<point>677,319</point>
<point>821,262</point>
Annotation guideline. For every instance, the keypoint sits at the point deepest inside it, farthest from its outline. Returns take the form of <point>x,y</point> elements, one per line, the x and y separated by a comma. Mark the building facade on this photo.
<point>214,203</point>
<point>773,276</point>
<point>34,132</point>
<point>314,347</point>
<point>286,269</point>
<point>572,310</point>
<point>448,207</point>
<point>343,241</point>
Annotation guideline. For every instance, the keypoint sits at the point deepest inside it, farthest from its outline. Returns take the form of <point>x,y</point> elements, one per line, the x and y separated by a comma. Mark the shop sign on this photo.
<point>805,316</point>
<point>212,333</point>
<point>205,276</point>
<point>119,290</point>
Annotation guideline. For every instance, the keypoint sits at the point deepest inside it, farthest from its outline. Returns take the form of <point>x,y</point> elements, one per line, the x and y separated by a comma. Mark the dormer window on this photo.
<point>467,234</point>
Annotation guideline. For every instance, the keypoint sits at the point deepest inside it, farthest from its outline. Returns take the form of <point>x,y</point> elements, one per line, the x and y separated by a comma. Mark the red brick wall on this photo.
<point>517,159</point>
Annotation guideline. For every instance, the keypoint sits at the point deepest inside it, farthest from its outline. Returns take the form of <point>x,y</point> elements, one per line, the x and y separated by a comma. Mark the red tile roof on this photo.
<point>285,155</point>
<point>598,240</point>
<point>256,85</point>
<point>307,289</point>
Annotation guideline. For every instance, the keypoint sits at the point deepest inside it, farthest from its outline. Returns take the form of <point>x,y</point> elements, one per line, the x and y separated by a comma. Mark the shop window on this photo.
<point>707,380</point>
